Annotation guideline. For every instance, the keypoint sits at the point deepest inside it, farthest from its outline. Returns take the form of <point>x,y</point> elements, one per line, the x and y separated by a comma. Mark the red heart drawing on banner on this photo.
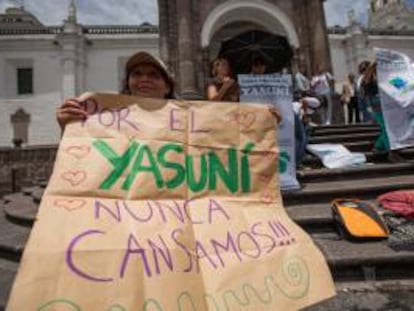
<point>271,155</point>
<point>246,119</point>
<point>265,177</point>
<point>75,178</point>
<point>266,197</point>
<point>70,204</point>
<point>263,157</point>
<point>78,152</point>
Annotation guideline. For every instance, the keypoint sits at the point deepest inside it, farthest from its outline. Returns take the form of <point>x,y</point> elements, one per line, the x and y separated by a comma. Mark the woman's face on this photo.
<point>223,68</point>
<point>258,69</point>
<point>147,81</point>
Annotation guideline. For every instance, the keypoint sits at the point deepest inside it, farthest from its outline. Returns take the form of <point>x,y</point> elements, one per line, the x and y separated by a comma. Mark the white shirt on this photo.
<point>320,83</point>
<point>359,82</point>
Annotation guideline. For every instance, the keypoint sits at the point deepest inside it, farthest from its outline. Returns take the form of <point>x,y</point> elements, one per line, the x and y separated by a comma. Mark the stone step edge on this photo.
<point>404,169</point>
<point>19,219</point>
<point>349,191</point>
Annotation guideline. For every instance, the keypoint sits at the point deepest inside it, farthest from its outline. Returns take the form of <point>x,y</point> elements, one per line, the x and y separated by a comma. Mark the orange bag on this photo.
<point>357,219</point>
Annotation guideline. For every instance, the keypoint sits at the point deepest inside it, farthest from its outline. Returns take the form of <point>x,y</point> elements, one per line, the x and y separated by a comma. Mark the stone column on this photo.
<point>302,19</point>
<point>356,44</point>
<point>295,62</point>
<point>81,64</point>
<point>163,17</point>
<point>206,65</point>
<point>185,50</point>
<point>69,42</point>
<point>69,70</point>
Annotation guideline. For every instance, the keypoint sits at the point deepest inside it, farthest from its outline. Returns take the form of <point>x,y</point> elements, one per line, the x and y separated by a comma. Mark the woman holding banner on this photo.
<point>145,75</point>
<point>322,85</point>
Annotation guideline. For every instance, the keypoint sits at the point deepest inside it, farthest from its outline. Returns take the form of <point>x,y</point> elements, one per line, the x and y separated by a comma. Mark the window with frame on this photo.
<point>24,81</point>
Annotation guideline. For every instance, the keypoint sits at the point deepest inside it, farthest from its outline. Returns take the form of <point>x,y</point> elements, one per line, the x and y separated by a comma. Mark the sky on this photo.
<point>135,12</point>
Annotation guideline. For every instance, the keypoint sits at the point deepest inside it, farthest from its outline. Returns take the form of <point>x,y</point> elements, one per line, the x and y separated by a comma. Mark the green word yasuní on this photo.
<point>140,158</point>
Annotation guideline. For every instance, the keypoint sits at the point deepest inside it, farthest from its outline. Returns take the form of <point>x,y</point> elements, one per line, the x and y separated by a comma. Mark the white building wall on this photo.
<point>106,59</point>
<point>339,60</point>
<point>403,44</point>
<point>104,70</point>
<point>44,58</point>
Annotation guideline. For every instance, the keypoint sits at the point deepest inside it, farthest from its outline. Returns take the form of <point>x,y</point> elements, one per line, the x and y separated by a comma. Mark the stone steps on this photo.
<point>373,157</point>
<point>351,261</point>
<point>13,238</point>
<point>342,131</point>
<point>313,218</point>
<point>359,146</point>
<point>326,191</point>
<point>350,127</point>
<point>344,138</point>
<point>21,208</point>
<point>8,270</point>
<point>366,170</point>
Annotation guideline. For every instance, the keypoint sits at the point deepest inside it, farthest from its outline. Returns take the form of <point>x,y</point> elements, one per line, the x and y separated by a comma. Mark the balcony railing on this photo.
<point>374,31</point>
<point>31,31</point>
<point>120,29</point>
<point>98,29</point>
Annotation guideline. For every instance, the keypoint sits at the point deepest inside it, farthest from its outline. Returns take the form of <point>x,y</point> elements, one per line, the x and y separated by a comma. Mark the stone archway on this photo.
<point>188,29</point>
<point>233,17</point>
<point>261,13</point>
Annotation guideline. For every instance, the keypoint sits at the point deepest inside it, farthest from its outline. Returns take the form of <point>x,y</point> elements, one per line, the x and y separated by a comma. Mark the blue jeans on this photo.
<point>363,108</point>
<point>301,139</point>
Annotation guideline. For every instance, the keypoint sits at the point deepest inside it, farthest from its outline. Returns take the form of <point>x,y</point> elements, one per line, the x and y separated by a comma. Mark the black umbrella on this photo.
<point>244,48</point>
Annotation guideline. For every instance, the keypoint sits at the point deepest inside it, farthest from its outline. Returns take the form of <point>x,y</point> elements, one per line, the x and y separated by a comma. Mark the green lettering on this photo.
<point>210,169</point>
<point>138,167</point>
<point>245,168</point>
<point>230,177</point>
<point>179,177</point>
<point>192,183</point>
<point>120,163</point>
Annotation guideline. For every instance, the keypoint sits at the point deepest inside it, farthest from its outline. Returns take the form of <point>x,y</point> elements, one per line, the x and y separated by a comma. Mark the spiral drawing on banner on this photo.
<point>296,276</point>
<point>292,281</point>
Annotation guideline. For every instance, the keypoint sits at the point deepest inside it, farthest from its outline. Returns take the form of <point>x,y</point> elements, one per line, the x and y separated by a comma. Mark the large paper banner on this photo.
<point>157,205</point>
<point>396,85</point>
<point>276,90</point>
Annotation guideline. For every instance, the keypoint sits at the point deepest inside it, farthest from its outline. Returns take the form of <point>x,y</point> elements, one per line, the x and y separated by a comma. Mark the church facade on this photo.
<point>191,33</point>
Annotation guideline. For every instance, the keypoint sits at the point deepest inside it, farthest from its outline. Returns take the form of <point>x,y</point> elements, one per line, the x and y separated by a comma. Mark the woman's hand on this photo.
<point>227,79</point>
<point>228,83</point>
<point>71,110</point>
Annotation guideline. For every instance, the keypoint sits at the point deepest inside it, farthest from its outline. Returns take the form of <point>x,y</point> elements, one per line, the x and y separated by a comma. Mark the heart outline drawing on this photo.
<point>79,152</point>
<point>245,119</point>
<point>266,197</point>
<point>75,178</point>
<point>70,204</point>
<point>264,156</point>
<point>264,177</point>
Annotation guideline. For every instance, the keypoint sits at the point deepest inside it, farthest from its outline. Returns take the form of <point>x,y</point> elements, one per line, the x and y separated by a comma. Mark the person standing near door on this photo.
<point>350,100</point>
<point>322,86</point>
